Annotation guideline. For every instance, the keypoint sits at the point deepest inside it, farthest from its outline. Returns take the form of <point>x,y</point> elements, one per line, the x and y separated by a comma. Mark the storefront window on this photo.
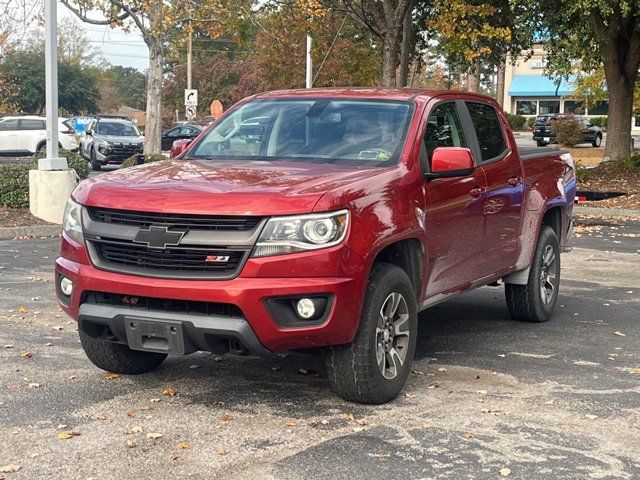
<point>526,107</point>
<point>600,108</point>
<point>637,121</point>
<point>549,106</point>
<point>574,106</point>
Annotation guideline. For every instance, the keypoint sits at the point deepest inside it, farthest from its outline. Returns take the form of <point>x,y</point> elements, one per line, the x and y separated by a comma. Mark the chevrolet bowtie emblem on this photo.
<point>158,237</point>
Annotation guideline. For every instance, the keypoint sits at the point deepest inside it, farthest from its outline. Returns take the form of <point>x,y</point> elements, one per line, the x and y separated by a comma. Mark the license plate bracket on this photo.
<point>159,336</point>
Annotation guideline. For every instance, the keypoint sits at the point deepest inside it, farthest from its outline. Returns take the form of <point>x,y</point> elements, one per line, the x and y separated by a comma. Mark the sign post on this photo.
<point>190,102</point>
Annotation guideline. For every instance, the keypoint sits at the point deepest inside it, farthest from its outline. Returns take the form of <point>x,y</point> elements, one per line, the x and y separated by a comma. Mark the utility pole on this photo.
<point>189,52</point>
<point>309,82</point>
<point>52,183</point>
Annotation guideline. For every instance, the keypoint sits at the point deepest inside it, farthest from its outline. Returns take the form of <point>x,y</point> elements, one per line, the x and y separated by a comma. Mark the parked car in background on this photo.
<point>321,219</point>
<point>544,132</point>
<point>180,132</point>
<point>110,140</point>
<point>27,134</point>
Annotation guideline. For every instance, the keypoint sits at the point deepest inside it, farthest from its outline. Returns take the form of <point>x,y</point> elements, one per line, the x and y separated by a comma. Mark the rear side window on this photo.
<point>27,124</point>
<point>444,128</point>
<point>488,130</point>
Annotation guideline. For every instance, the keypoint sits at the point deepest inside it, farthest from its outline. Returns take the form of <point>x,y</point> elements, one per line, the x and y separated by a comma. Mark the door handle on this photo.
<point>513,181</point>
<point>476,192</point>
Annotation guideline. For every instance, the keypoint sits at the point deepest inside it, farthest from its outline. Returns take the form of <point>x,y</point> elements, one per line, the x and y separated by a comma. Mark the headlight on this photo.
<point>301,233</point>
<point>103,146</point>
<point>72,225</point>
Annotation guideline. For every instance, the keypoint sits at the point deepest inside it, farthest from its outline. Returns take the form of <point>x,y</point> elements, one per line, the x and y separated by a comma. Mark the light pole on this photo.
<point>309,82</point>
<point>51,185</point>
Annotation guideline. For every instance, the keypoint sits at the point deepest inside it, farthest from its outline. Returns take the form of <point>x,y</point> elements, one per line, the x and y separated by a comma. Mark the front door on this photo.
<point>454,208</point>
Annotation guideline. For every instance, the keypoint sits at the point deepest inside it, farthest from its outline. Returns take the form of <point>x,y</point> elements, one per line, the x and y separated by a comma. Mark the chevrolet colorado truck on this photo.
<point>322,220</point>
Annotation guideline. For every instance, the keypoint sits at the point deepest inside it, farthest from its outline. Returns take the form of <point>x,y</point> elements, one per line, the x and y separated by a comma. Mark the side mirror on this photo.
<point>179,146</point>
<point>450,162</point>
<point>88,131</point>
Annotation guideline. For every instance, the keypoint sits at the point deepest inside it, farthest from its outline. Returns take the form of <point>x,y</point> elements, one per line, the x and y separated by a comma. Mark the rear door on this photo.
<point>31,132</point>
<point>454,215</point>
<point>503,199</point>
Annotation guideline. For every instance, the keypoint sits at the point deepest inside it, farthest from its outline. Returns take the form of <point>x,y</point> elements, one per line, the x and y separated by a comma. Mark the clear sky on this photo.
<point>118,47</point>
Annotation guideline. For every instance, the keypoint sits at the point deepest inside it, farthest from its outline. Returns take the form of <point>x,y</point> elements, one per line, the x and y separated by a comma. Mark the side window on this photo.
<point>488,130</point>
<point>8,125</point>
<point>27,124</point>
<point>173,132</point>
<point>444,128</point>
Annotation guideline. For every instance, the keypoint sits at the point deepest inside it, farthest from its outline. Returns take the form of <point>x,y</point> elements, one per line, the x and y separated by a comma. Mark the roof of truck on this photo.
<point>352,92</point>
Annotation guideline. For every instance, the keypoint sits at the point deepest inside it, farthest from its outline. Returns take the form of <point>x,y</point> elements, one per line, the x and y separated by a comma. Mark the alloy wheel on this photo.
<point>548,275</point>
<point>392,335</point>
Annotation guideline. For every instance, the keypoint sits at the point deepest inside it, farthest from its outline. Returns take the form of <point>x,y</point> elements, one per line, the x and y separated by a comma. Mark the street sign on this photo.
<point>190,97</point>
<point>191,111</point>
<point>216,109</point>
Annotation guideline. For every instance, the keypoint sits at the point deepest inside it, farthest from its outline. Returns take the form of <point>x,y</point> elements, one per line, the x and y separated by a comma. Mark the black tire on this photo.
<point>41,147</point>
<point>597,141</point>
<point>118,358</point>
<point>95,164</point>
<point>542,144</point>
<point>353,370</point>
<point>528,303</point>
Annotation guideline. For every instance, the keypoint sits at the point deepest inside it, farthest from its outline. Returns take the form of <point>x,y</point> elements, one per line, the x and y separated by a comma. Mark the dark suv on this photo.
<point>544,133</point>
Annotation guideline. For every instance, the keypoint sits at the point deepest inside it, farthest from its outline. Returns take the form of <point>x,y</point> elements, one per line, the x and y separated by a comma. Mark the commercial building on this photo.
<point>530,92</point>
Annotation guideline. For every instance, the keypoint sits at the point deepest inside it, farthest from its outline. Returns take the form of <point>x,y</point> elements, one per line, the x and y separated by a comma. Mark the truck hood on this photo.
<point>220,187</point>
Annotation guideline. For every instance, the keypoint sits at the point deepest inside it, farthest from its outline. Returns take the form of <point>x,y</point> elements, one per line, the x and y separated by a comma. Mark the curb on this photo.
<point>606,212</point>
<point>13,233</point>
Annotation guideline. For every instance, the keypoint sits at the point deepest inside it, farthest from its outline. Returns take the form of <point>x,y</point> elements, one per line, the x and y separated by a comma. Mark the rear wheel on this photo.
<point>597,141</point>
<point>535,301</point>
<point>374,367</point>
<point>542,144</point>
<point>118,358</point>
<point>95,164</point>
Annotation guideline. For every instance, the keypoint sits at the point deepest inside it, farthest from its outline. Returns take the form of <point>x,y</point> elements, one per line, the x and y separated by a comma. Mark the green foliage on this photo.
<point>531,121</point>
<point>131,161</point>
<point>14,177</point>
<point>568,131</point>
<point>25,70</point>
<point>630,165</point>
<point>582,173</point>
<point>516,122</point>
<point>599,121</point>
<point>14,184</point>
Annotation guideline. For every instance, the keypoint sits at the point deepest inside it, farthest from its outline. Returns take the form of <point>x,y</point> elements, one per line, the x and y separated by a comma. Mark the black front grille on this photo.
<point>176,221</point>
<point>206,260</point>
<point>124,150</point>
<point>162,304</point>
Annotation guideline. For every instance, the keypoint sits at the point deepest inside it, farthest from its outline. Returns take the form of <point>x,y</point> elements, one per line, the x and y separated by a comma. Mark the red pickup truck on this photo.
<point>322,219</point>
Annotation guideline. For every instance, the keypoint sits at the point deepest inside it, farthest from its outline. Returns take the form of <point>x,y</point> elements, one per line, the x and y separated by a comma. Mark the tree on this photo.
<point>155,20</point>
<point>384,19</point>
<point>589,35</point>
<point>25,70</point>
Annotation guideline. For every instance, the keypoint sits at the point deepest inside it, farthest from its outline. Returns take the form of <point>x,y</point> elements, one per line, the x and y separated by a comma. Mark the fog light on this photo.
<point>306,308</point>
<point>66,286</point>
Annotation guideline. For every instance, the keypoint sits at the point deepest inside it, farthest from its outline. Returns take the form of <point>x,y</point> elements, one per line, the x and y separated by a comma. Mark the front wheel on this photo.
<point>535,301</point>
<point>118,358</point>
<point>374,367</point>
<point>95,164</point>
<point>597,141</point>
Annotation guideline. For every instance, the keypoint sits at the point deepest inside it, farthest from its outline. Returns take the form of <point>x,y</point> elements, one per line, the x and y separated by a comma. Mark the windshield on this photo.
<point>117,129</point>
<point>364,132</point>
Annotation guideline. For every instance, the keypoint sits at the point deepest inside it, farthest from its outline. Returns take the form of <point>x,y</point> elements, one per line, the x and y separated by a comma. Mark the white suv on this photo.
<point>28,134</point>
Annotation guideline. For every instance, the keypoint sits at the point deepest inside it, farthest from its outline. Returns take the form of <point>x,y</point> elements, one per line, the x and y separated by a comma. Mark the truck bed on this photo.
<point>528,153</point>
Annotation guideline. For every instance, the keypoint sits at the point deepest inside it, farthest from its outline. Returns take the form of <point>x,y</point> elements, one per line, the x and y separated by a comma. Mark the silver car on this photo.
<point>110,141</point>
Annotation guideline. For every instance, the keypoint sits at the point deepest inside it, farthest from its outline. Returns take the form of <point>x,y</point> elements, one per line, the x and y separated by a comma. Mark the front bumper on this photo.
<point>116,155</point>
<point>261,279</point>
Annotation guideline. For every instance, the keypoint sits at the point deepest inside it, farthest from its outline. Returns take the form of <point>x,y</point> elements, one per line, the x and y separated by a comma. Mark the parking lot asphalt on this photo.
<point>488,397</point>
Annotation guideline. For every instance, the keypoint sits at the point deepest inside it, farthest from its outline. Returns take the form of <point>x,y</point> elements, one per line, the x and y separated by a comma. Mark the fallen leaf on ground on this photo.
<point>442,369</point>
<point>26,354</point>
<point>350,417</point>
<point>291,424</point>
<point>505,472</point>
<point>169,392</point>
<point>549,402</point>
<point>131,444</point>
<point>136,429</point>
<point>112,376</point>
<point>223,452</point>
<point>225,417</point>
<point>417,372</point>
<point>590,416</point>
<point>34,385</point>
<point>22,309</point>
<point>434,385</point>
<point>183,446</point>
<point>619,334</point>
<point>193,367</point>
<point>8,346</point>
<point>427,425</point>
<point>481,392</point>
<point>409,395</point>
<point>10,468</point>
<point>468,435</point>
<point>68,435</point>
<point>154,435</point>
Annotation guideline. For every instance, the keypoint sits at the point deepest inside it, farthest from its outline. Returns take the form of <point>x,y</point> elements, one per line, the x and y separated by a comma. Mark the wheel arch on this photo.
<point>408,254</point>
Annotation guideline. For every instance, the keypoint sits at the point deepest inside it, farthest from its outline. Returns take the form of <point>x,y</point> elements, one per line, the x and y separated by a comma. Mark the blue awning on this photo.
<point>540,86</point>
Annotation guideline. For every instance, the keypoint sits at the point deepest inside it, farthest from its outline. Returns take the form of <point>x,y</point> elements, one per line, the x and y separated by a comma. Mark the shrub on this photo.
<point>582,173</point>
<point>531,121</point>
<point>75,161</point>
<point>568,131</point>
<point>140,159</point>
<point>599,121</point>
<point>14,177</point>
<point>517,122</point>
